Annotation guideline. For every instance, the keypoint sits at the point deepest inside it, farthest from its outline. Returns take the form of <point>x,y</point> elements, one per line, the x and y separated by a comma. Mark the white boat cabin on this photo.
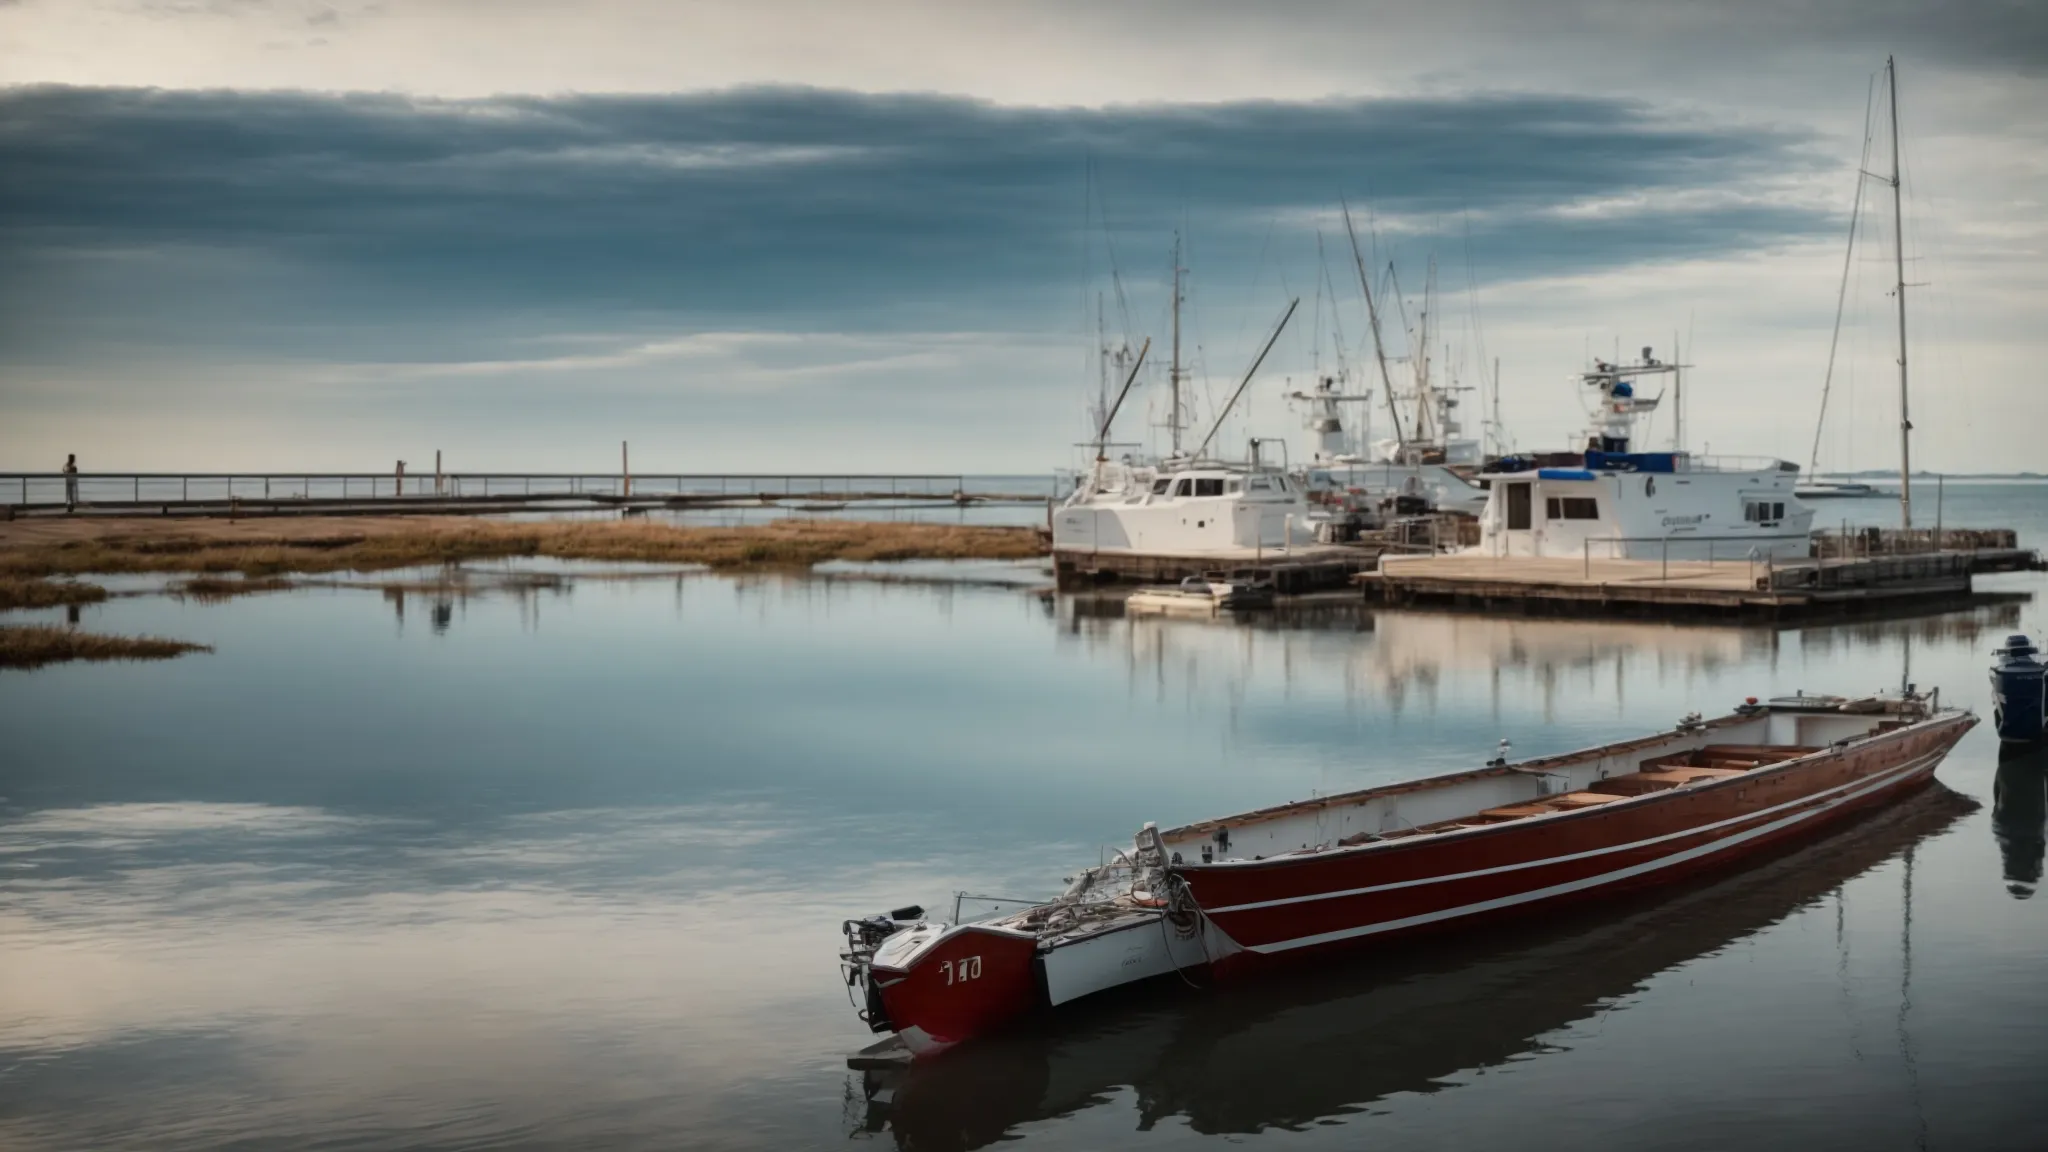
<point>1611,503</point>
<point>1645,507</point>
<point>1183,510</point>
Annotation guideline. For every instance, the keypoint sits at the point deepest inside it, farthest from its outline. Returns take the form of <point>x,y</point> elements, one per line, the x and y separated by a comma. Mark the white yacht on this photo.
<point>1183,508</point>
<point>1609,502</point>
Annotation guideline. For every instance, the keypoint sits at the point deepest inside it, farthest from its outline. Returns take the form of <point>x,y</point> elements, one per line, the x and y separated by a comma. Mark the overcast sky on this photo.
<point>776,235</point>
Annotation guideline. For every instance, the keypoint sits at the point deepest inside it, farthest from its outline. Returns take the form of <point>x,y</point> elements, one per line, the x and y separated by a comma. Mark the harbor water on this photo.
<point>561,864</point>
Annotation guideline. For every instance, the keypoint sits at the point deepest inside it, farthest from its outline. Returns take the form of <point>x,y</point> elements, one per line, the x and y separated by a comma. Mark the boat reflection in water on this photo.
<point>1279,1054</point>
<point>2019,815</point>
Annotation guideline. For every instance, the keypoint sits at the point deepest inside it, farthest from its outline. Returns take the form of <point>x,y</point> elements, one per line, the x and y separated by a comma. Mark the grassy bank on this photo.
<point>34,592</point>
<point>214,589</point>
<point>254,548</point>
<point>32,646</point>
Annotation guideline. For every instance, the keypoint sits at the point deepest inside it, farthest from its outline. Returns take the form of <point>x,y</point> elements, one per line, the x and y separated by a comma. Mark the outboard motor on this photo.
<point>2019,691</point>
<point>863,936</point>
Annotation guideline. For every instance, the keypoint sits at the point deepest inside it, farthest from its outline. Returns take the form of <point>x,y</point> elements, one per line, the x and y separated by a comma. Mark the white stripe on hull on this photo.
<point>1916,766</point>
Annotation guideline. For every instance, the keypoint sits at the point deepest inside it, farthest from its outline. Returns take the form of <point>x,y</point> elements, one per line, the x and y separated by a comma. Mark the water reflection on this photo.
<point>2019,815</point>
<point>1290,1053</point>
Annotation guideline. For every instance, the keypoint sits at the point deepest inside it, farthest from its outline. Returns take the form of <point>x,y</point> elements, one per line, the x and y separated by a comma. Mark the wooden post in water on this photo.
<point>437,472</point>
<point>625,472</point>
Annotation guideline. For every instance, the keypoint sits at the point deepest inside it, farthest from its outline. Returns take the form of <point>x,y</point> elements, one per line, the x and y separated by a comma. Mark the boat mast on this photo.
<point>1499,442</point>
<point>1174,374</point>
<point>1372,315</point>
<point>1101,362</point>
<point>1899,256</point>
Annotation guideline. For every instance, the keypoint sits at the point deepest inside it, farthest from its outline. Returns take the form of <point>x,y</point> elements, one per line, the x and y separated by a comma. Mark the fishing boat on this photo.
<point>1361,869</point>
<point>1611,502</point>
<point>2019,691</point>
<point>1331,1040</point>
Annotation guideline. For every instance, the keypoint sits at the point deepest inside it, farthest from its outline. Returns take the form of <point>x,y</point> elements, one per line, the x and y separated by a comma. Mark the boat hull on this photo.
<point>1303,904</point>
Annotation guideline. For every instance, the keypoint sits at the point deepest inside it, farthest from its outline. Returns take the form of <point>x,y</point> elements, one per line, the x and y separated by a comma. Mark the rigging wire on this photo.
<point>1842,295</point>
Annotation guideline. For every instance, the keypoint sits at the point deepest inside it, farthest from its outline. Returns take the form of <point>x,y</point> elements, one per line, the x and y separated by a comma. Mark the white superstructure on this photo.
<point>1610,502</point>
<point>1437,473</point>
<point>1182,508</point>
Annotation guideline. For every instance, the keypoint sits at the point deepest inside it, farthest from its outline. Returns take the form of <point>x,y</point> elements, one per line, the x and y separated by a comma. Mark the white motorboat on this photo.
<point>1609,502</point>
<point>1183,508</point>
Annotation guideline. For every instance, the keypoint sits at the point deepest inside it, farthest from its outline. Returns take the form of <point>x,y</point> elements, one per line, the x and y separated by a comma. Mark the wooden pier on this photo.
<point>1742,589</point>
<point>1292,571</point>
<point>218,494</point>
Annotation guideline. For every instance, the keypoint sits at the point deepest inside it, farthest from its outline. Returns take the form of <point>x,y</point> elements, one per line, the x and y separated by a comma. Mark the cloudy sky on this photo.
<point>771,235</point>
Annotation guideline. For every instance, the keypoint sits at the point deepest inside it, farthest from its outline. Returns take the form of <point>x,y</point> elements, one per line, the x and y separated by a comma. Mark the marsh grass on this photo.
<point>34,645</point>
<point>790,543</point>
<point>213,589</point>
<point>33,592</point>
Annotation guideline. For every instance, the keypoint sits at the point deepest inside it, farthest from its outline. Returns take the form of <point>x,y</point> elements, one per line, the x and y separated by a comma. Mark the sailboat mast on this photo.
<point>1372,315</point>
<point>1899,256</point>
<point>1173,373</point>
<point>1498,443</point>
<point>1101,361</point>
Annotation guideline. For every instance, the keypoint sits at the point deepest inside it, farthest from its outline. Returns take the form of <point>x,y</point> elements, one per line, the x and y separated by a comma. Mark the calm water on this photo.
<point>564,868</point>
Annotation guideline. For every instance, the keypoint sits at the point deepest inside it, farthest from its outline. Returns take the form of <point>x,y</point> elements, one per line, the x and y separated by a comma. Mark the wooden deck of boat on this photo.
<point>1761,589</point>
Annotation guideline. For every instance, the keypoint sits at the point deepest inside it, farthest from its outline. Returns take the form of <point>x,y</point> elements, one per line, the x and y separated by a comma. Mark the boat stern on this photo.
<point>936,985</point>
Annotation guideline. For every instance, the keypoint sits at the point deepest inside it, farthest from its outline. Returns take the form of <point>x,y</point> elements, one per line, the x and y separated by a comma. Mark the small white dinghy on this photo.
<point>1199,596</point>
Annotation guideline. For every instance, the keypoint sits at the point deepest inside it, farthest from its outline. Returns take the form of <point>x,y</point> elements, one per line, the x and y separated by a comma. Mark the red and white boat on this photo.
<point>1361,868</point>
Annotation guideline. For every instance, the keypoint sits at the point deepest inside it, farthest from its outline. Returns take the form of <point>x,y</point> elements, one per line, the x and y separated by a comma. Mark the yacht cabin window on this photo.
<point>1232,486</point>
<point>1764,512</point>
<point>1159,486</point>
<point>1209,486</point>
<point>1180,487</point>
<point>1572,508</point>
<point>1258,484</point>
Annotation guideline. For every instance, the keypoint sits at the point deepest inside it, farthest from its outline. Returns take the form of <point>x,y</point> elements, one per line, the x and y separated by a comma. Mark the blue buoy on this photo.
<point>2019,691</point>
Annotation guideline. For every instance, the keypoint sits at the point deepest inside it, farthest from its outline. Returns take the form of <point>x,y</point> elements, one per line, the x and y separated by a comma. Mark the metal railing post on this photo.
<point>1664,564</point>
<point>1586,558</point>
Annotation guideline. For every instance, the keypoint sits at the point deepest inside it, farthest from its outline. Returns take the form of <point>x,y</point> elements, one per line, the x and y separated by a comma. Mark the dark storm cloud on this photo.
<point>786,206</point>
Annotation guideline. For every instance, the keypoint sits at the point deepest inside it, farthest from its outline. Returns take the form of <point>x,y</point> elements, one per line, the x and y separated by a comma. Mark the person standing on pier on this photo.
<point>71,480</point>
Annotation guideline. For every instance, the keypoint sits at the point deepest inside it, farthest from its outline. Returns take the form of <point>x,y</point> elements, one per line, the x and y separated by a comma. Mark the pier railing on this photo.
<point>1770,569</point>
<point>55,489</point>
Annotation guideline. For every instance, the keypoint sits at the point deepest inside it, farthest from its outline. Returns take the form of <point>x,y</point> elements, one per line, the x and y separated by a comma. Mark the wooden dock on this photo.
<point>1292,571</point>
<point>1743,589</point>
